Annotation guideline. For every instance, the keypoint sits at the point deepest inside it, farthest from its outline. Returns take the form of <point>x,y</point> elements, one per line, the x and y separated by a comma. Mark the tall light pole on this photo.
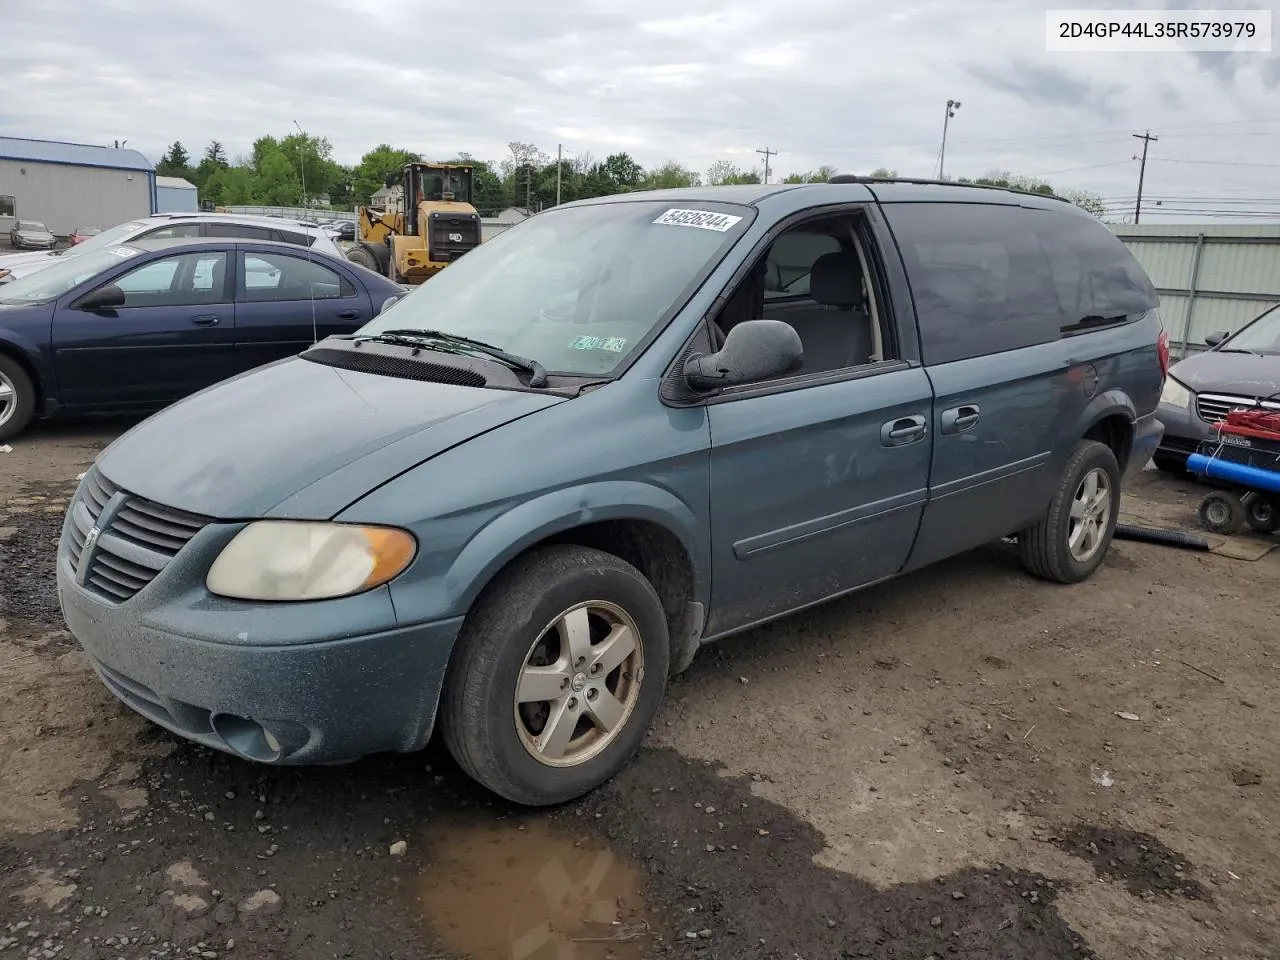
<point>952,107</point>
<point>302,164</point>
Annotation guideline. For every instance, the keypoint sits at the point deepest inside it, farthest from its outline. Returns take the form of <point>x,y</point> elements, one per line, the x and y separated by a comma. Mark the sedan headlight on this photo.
<point>290,560</point>
<point>1175,394</point>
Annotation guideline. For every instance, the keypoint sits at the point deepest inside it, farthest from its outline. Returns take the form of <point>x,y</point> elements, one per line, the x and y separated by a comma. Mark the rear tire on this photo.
<point>1262,513</point>
<point>522,641</point>
<point>1070,542</point>
<point>1222,513</point>
<point>17,398</point>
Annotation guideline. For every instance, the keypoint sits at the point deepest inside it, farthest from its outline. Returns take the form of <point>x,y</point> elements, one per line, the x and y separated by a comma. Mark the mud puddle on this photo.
<point>529,890</point>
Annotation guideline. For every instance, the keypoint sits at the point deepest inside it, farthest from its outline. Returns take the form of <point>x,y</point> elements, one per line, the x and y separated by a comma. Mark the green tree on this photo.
<point>821,175</point>
<point>883,173</point>
<point>622,171</point>
<point>175,163</point>
<point>379,166</point>
<point>670,175</point>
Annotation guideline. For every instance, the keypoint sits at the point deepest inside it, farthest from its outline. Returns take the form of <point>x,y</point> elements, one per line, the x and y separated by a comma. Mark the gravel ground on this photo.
<point>965,763</point>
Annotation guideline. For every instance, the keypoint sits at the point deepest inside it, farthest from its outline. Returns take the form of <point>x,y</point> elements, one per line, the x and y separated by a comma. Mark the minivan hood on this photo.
<point>1243,374</point>
<point>297,439</point>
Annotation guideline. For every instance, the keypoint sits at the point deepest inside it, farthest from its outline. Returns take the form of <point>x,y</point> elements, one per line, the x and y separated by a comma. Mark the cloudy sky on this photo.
<point>850,83</point>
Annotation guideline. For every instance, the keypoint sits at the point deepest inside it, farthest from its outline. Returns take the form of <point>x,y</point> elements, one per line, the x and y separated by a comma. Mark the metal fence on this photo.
<point>1210,277</point>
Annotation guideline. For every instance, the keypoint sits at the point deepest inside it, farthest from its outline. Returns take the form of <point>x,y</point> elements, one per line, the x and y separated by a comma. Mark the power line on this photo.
<point>1116,132</point>
<point>1216,163</point>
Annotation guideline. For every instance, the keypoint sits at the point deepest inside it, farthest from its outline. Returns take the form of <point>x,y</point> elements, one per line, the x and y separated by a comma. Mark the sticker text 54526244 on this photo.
<point>702,219</point>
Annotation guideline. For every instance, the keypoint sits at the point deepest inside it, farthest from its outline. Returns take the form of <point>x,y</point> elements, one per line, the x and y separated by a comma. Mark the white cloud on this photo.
<point>851,83</point>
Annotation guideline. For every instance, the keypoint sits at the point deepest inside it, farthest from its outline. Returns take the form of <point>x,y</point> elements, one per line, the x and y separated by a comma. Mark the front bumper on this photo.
<point>287,683</point>
<point>1183,430</point>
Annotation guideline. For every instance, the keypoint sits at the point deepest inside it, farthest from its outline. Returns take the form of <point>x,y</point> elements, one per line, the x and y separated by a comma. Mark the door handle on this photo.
<point>349,315</point>
<point>903,430</point>
<point>205,320</point>
<point>960,419</point>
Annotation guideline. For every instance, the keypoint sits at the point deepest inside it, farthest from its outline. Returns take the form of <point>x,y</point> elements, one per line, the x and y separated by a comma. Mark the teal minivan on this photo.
<point>517,502</point>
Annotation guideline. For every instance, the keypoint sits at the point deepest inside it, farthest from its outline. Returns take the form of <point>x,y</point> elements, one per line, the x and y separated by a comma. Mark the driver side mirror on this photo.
<point>1216,337</point>
<point>387,303</point>
<point>754,350</point>
<point>104,298</point>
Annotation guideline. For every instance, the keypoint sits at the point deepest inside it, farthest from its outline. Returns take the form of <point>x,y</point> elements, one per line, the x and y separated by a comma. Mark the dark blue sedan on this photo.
<point>140,325</point>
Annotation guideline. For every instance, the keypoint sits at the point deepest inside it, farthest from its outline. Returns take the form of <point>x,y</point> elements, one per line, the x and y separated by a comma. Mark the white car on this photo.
<point>171,225</point>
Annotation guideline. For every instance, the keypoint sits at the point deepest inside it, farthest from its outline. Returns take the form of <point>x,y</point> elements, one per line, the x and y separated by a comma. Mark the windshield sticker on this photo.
<point>702,219</point>
<point>123,252</point>
<point>611,344</point>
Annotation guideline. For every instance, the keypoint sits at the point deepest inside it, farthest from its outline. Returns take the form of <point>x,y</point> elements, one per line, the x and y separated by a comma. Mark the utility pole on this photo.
<point>952,107</point>
<point>1146,139</point>
<point>559,162</point>
<point>302,164</point>
<point>767,154</point>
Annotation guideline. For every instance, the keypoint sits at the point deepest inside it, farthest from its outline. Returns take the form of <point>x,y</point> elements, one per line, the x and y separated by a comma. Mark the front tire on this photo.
<point>559,672</point>
<point>1070,542</point>
<point>17,398</point>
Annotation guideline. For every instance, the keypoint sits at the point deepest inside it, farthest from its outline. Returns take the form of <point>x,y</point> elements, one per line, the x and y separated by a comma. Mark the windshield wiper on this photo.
<point>1252,353</point>
<point>435,339</point>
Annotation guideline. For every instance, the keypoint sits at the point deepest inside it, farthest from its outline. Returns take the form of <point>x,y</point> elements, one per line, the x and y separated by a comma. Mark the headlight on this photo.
<point>288,560</point>
<point>1175,394</point>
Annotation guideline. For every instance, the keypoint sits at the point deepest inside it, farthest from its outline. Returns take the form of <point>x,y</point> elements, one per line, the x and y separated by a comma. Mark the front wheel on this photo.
<point>1071,540</point>
<point>559,673</point>
<point>17,398</point>
<point>1222,512</point>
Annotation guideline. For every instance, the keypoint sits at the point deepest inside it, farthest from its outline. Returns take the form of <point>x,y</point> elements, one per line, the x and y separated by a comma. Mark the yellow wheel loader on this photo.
<point>433,224</point>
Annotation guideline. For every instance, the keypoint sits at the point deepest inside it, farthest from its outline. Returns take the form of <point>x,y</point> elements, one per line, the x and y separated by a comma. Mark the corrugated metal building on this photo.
<point>1211,277</point>
<point>175,195</point>
<point>72,185</point>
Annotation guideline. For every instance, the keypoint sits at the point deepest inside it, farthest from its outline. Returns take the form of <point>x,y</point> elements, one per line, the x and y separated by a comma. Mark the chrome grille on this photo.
<point>1214,407</point>
<point>137,538</point>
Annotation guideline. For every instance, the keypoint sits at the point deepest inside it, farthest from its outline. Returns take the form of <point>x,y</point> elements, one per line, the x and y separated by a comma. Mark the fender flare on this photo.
<point>1109,403</point>
<point>515,531</point>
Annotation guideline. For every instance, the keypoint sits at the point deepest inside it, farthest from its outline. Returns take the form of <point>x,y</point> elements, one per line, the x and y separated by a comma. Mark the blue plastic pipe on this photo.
<point>1254,478</point>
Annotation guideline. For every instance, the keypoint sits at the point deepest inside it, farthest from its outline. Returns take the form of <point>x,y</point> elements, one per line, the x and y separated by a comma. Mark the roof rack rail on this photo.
<point>857,178</point>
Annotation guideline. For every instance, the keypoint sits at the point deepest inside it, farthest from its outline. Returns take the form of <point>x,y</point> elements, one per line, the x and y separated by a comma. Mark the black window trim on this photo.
<point>674,390</point>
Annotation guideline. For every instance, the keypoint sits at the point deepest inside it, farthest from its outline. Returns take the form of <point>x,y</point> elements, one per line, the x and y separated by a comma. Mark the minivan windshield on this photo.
<point>52,282</point>
<point>1261,336</point>
<point>576,289</point>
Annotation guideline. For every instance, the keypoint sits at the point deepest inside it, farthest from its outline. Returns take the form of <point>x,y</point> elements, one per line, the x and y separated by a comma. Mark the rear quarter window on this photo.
<point>987,278</point>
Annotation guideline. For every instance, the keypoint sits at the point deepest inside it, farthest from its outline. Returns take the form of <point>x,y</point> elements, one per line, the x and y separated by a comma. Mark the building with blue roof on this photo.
<point>67,186</point>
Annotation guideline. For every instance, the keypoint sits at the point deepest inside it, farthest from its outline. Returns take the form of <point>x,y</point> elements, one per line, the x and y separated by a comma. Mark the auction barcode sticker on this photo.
<point>1150,31</point>
<point>703,219</point>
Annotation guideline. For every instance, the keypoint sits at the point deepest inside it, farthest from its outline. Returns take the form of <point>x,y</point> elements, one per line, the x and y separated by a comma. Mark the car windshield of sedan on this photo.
<point>1261,336</point>
<point>575,288</point>
<point>31,226</point>
<point>49,284</point>
<point>107,238</point>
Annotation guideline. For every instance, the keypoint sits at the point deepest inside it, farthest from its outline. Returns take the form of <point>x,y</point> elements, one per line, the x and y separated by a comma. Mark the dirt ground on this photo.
<point>965,763</point>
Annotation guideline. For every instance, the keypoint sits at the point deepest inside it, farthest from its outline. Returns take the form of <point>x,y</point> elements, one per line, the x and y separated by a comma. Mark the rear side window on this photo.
<point>988,278</point>
<point>240,231</point>
<point>297,239</point>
